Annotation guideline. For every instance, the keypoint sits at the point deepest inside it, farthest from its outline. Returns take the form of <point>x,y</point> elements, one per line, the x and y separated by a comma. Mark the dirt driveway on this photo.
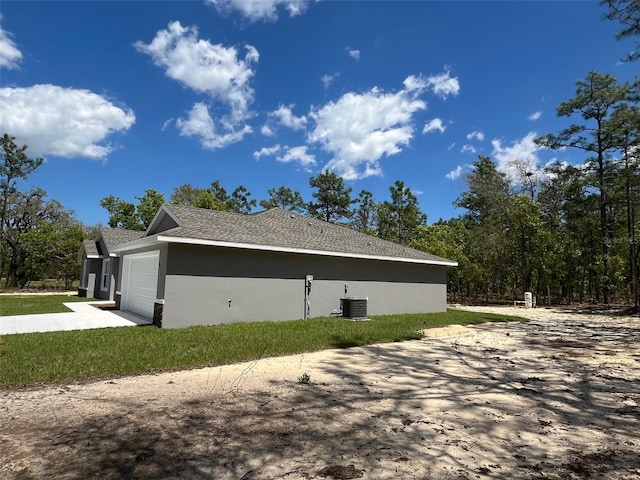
<point>555,398</point>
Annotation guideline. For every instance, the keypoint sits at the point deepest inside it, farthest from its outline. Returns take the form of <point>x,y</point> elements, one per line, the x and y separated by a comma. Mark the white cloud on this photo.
<point>266,151</point>
<point>267,131</point>
<point>297,155</point>
<point>59,121</point>
<point>451,146</point>
<point>535,116</point>
<point>256,10</point>
<point>468,148</point>
<point>443,84</point>
<point>353,53</point>
<point>289,155</point>
<point>360,129</point>
<point>285,117</point>
<point>455,173</point>
<point>200,124</point>
<point>212,69</point>
<point>415,83</point>
<point>477,135</point>
<point>523,151</point>
<point>166,124</point>
<point>328,79</point>
<point>433,125</point>
<point>10,56</point>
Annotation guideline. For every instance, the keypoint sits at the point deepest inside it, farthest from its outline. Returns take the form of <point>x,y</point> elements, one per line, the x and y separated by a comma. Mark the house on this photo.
<point>197,266</point>
<point>99,263</point>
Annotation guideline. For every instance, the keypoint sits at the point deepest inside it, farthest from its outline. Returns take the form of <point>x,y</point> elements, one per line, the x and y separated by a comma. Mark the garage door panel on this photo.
<point>140,283</point>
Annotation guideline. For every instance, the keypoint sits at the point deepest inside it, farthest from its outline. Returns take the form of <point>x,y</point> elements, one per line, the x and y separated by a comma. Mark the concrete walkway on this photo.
<point>84,316</point>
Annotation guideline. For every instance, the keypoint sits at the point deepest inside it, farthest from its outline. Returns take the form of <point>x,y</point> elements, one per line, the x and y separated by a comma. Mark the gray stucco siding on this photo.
<point>94,268</point>
<point>205,300</point>
<point>113,277</point>
<point>165,224</point>
<point>200,281</point>
<point>196,260</point>
<point>98,291</point>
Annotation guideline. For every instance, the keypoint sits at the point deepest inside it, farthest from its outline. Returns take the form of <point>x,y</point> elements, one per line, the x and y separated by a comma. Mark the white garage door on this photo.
<point>140,282</point>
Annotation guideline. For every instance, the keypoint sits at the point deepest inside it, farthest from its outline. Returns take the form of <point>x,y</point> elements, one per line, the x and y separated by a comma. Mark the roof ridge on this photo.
<point>117,229</point>
<point>211,211</point>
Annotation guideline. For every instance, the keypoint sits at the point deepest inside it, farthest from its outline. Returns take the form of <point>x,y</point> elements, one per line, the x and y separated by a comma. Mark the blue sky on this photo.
<point>124,96</point>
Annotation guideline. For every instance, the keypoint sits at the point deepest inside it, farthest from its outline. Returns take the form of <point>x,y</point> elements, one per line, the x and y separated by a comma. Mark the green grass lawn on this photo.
<point>36,358</point>
<point>28,304</point>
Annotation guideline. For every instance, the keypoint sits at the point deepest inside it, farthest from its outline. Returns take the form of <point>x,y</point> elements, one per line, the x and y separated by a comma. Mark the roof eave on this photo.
<point>135,244</point>
<point>271,248</point>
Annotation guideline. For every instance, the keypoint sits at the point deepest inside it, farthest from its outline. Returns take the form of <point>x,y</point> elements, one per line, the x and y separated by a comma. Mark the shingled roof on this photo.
<point>112,237</point>
<point>90,249</point>
<point>116,236</point>
<point>278,230</point>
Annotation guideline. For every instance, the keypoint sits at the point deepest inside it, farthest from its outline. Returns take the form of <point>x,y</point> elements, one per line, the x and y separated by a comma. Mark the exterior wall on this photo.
<point>99,292</point>
<point>113,277</point>
<point>91,283</point>
<point>88,291</point>
<point>109,293</point>
<point>91,289</point>
<point>208,285</point>
<point>165,224</point>
<point>102,250</point>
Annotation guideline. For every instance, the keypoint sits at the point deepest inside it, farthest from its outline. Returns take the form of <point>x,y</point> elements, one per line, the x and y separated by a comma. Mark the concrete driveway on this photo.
<point>84,316</point>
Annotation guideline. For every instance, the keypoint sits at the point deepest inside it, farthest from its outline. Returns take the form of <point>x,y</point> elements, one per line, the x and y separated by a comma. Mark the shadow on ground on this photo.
<point>538,400</point>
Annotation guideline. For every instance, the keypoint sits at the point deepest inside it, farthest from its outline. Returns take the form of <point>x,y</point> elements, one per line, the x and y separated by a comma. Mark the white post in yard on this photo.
<point>528,300</point>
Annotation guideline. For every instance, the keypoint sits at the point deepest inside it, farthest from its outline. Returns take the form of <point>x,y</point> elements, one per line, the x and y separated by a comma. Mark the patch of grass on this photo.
<point>35,358</point>
<point>33,304</point>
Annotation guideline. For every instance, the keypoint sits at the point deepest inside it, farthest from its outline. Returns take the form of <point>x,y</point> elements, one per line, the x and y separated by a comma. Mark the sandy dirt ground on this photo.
<point>557,397</point>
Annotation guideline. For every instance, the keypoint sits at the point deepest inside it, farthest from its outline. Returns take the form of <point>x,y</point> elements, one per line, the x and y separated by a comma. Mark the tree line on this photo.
<point>395,219</point>
<point>39,238</point>
<point>568,233</point>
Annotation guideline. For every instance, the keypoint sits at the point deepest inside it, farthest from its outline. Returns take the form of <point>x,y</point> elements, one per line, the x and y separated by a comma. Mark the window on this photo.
<point>106,270</point>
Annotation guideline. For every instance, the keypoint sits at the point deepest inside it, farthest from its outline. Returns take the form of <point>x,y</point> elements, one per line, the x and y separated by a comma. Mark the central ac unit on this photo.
<point>354,307</point>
